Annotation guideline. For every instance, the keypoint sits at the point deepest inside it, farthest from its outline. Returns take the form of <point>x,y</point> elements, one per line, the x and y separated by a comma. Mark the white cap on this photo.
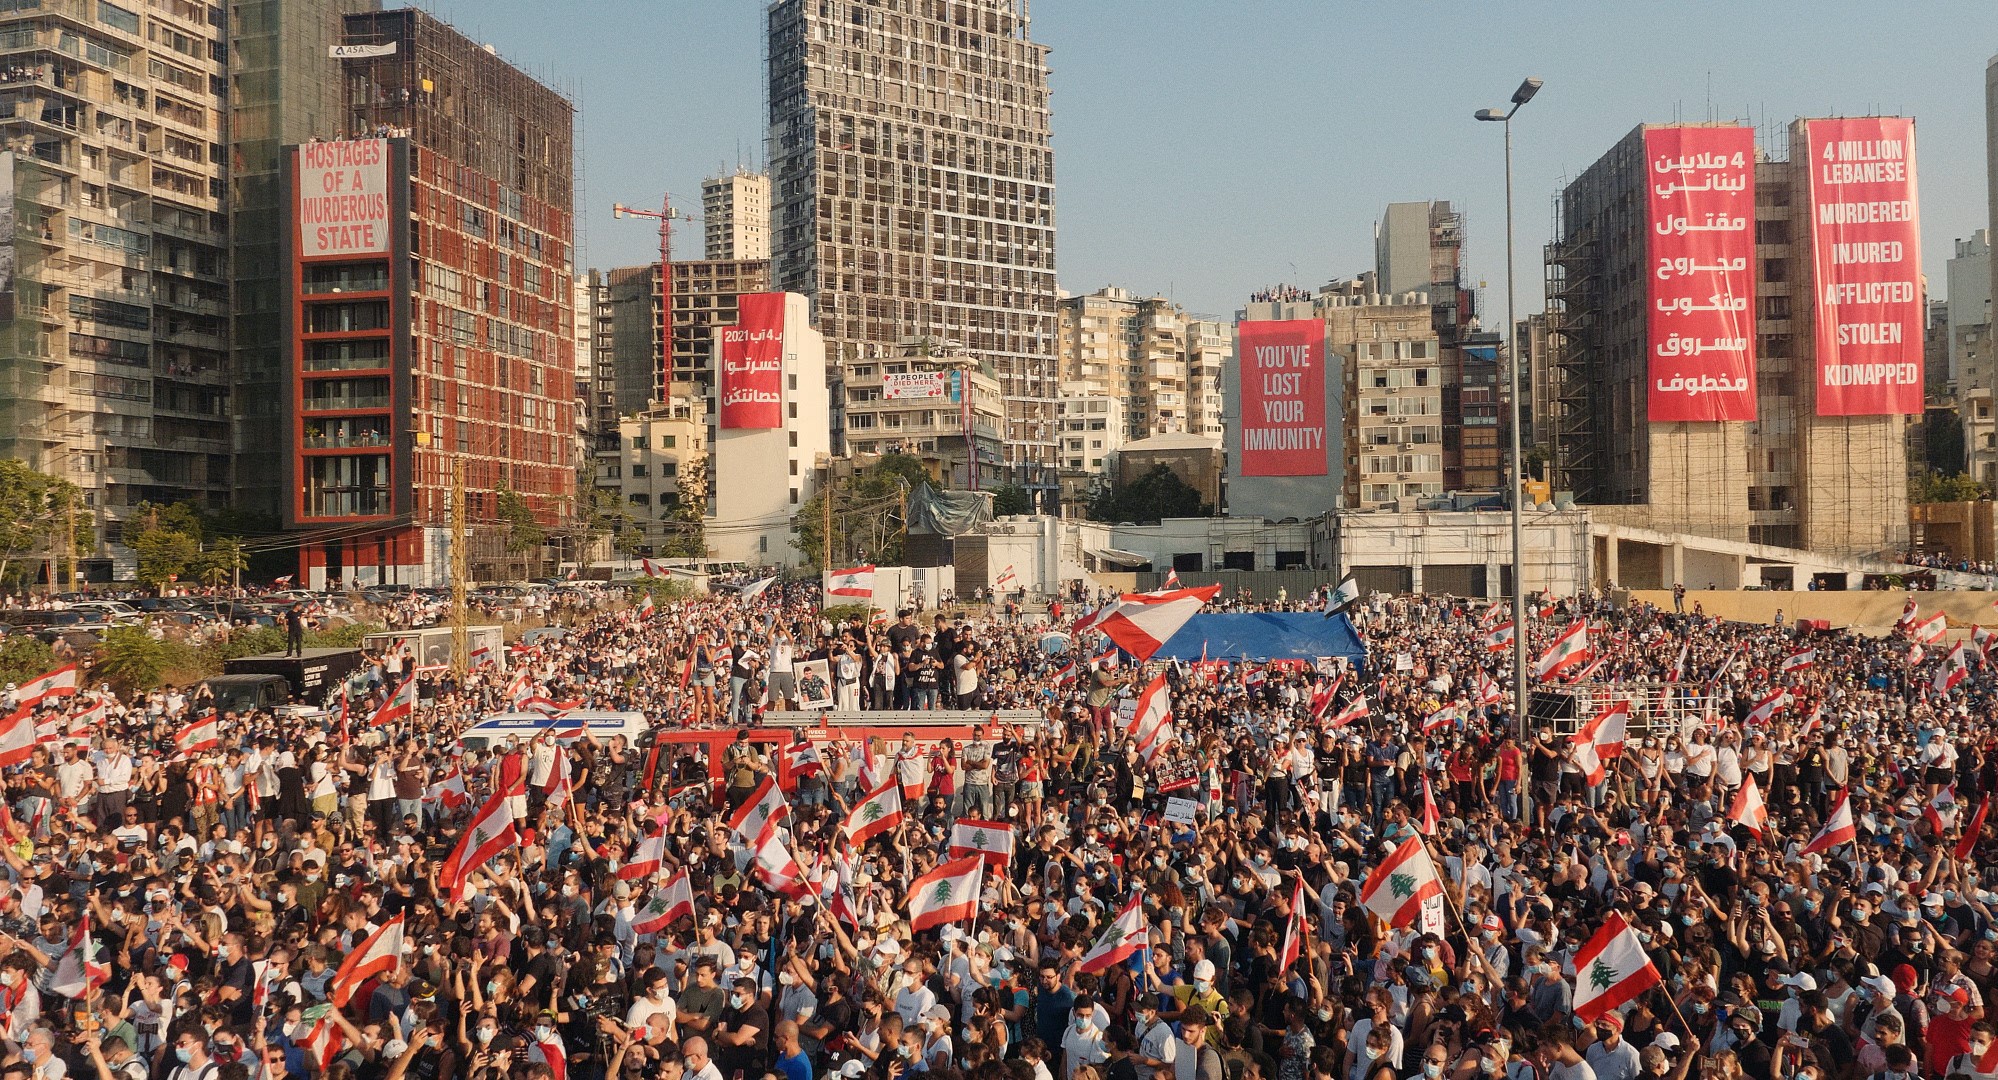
<point>1801,980</point>
<point>950,933</point>
<point>1204,969</point>
<point>1665,1040</point>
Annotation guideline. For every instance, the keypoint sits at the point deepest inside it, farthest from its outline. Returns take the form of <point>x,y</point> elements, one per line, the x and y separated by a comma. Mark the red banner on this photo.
<point>1283,397</point>
<point>752,364</point>
<point>1700,195</point>
<point>1867,254</point>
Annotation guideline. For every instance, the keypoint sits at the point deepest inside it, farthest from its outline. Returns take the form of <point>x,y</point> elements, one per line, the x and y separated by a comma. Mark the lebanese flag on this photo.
<point>282,582</point>
<point>646,857</point>
<point>520,690</point>
<point>947,894</point>
<point>1141,623</point>
<point>1607,730</point>
<point>1679,669</point>
<point>1397,887</point>
<point>1749,809</point>
<point>1954,669</point>
<point>1066,675</point>
<point>490,832</point>
<point>989,840</point>
<point>202,734</point>
<point>79,971</point>
<point>381,952</point>
<point>450,790</point>
<point>1488,690</point>
<point>1838,828</point>
<point>1772,703</point>
<point>650,570</point>
<point>764,807</point>
<point>912,770</point>
<point>1967,843</point>
<point>1121,937</point>
<point>1798,661</point>
<point>669,902</point>
<point>58,683</point>
<point>1907,620</point>
<point>1355,709</point>
<point>1930,630</point>
<point>399,706</point>
<point>1172,578</point>
<point>1441,719</point>
<point>1153,714</point>
<point>879,812</point>
<point>795,762</point>
<point>1431,817</point>
<point>1611,970</point>
<point>557,787</point>
<point>553,1053</point>
<point>1294,931</point>
<point>852,581</point>
<point>1500,637</point>
<point>1583,753</point>
<point>1982,638</point>
<point>1008,581</point>
<point>1571,648</point>
<point>1941,811</point>
<point>1915,655</point>
<point>1321,698</point>
<point>646,607</point>
<point>323,1043</point>
<point>774,868</point>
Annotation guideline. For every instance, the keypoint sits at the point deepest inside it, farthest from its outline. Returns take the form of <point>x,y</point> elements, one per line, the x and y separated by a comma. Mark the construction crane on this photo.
<point>666,216</point>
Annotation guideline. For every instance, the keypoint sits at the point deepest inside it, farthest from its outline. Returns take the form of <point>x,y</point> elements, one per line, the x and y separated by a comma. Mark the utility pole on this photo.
<point>826,559</point>
<point>460,568</point>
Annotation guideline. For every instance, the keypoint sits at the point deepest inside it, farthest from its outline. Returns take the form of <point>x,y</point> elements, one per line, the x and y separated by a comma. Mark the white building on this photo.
<point>761,476</point>
<point>643,465</point>
<point>1091,426</point>
<point>736,212</point>
<point>1971,372</point>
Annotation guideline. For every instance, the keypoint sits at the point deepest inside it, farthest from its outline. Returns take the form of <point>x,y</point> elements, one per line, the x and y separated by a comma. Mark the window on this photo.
<point>668,442</point>
<point>640,469</point>
<point>639,498</point>
<point>117,18</point>
<point>640,442</point>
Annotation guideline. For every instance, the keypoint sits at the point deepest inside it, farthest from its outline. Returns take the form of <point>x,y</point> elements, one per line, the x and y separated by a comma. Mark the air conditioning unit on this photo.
<point>1407,446</point>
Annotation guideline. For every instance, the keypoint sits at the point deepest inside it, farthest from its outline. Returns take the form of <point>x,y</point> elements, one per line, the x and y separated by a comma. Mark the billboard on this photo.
<point>915,384</point>
<point>1282,372</point>
<point>752,364</point>
<point>1866,261</point>
<point>1700,211</point>
<point>343,198</point>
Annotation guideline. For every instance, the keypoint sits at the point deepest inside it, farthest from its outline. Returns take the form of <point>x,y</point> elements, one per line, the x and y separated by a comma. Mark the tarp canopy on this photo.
<point>1266,635</point>
<point>947,513</point>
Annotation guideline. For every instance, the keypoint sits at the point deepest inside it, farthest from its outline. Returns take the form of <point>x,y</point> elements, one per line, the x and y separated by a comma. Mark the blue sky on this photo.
<point>1207,148</point>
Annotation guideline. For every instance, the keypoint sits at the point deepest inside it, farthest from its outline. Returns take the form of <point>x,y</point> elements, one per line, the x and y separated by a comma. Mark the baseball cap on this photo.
<point>1665,1040</point>
<point>1801,980</point>
<point>1203,970</point>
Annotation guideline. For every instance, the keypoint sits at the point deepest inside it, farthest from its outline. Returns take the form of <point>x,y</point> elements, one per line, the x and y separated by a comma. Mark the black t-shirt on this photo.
<point>902,634</point>
<point>242,976</point>
<point>745,1058</point>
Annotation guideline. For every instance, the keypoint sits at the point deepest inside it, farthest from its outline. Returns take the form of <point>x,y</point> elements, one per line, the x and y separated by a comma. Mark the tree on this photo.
<point>34,509</point>
<point>869,512</point>
<point>523,532</point>
<point>1150,498</point>
<point>1012,499</point>
<point>223,563</point>
<point>23,657</point>
<point>131,658</point>
<point>686,519</point>
<point>167,540</point>
<point>1934,487</point>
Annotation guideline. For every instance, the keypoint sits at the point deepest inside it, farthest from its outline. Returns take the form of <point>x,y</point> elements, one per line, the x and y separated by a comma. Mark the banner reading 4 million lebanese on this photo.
<point>1867,258</point>
<point>1283,397</point>
<point>1700,194</point>
<point>752,364</point>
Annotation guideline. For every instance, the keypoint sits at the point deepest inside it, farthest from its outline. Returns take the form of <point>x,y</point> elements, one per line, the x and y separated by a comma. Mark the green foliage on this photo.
<point>1012,499</point>
<point>24,656</point>
<point>132,660</point>
<point>841,614</point>
<point>686,521</point>
<point>869,522</point>
<point>34,510</point>
<point>222,562</point>
<point>1152,497</point>
<point>1934,487</point>
<point>664,590</point>
<point>523,532</point>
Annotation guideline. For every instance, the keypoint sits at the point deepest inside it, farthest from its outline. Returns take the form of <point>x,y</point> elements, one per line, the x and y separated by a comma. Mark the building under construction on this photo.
<point>914,190</point>
<point>1789,478</point>
<point>428,316</point>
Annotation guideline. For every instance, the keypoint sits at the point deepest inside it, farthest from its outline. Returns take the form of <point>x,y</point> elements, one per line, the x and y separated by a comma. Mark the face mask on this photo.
<point>1325,1016</point>
<point>1203,986</point>
<point>1429,952</point>
<point>1082,1023</point>
<point>543,1033</point>
<point>184,1054</point>
<point>785,978</point>
<point>1370,1053</point>
<point>492,987</point>
<point>741,1002</point>
<point>486,1034</point>
<point>1431,1070</point>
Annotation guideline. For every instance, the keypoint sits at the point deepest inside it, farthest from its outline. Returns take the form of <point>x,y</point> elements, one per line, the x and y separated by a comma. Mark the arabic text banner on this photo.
<point>752,364</point>
<point>1867,257</point>
<point>1700,196</point>
<point>1283,397</point>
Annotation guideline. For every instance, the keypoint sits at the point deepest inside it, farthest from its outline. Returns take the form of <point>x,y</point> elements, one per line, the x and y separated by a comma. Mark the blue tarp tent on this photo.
<point>1266,636</point>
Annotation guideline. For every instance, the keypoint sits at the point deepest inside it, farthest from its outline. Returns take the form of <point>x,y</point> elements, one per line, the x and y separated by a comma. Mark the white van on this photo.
<point>522,727</point>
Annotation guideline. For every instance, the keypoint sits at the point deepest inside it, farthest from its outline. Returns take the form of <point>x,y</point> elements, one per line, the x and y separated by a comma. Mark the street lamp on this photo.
<point>1520,97</point>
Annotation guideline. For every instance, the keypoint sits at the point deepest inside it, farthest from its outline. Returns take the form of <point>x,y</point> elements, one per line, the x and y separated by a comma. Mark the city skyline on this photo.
<point>1232,212</point>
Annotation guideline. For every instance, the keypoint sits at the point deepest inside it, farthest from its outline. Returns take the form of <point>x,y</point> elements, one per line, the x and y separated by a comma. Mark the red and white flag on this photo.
<point>399,706</point>
<point>1765,710</point>
<point>1955,668</point>
<point>323,1042</point>
<point>796,762</point>
<point>1355,709</point>
<point>1748,809</point>
<point>1838,828</point>
<point>856,581</point>
<point>879,812</point>
<point>1442,719</point>
<point>490,832</point>
<point>1568,650</point>
<point>449,790</point>
<point>1122,936</point>
<point>1583,753</point>
<point>1008,580</point>
<point>1608,730</point>
<point>556,789</point>
<point>79,971</point>
<point>1941,811</point>
<point>1488,690</point>
<point>650,570</point>
<point>759,812</point>
<point>1141,623</point>
<point>1172,578</point>
<point>1294,930</point>
<point>58,683</point>
<point>381,952</point>
<point>1322,697</point>
<point>1500,637</point>
<point>989,840</point>
<point>947,894</point>
<point>205,733</point>
<point>283,582</point>
<point>1397,887</point>
<point>1930,630</point>
<point>668,902</point>
<point>1908,615</point>
<point>1798,661</point>
<point>1431,817</point>
<point>773,867</point>
<point>1610,970</point>
<point>1153,717</point>
<point>645,858</point>
<point>1967,843</point>
<point>1982,637</point>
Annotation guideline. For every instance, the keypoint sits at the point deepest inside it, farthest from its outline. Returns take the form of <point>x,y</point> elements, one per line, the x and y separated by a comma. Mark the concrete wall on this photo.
<point>1873,612</point>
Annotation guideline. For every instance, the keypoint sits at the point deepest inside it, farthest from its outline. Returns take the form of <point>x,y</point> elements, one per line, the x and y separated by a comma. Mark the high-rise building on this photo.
<point>914,189</point>
<point>1131,347</point>
<point>1207,347</point>
<point>426,271</point>
<point>114,261</point>
<point>736,212</point>
<point>284,89</point>
<point>934,403</point>
<point>1788,470</point>
<point>1967,348</point>
<point>705,295</point>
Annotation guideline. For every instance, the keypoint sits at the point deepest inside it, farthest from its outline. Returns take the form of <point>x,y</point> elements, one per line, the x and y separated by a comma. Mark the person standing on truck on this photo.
<point>294,631</point>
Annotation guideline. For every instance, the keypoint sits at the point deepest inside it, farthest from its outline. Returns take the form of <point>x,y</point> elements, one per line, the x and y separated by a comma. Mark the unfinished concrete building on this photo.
<point>914,190</point>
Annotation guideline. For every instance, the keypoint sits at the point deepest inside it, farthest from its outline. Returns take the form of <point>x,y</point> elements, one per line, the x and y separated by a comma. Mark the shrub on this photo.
<point>24,656</point>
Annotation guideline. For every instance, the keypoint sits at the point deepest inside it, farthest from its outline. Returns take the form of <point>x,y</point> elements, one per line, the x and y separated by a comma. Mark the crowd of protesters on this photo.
<point>200,897</point>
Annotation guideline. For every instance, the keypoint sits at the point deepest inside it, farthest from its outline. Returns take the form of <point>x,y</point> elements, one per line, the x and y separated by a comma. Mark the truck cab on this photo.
<point>248,693</point>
